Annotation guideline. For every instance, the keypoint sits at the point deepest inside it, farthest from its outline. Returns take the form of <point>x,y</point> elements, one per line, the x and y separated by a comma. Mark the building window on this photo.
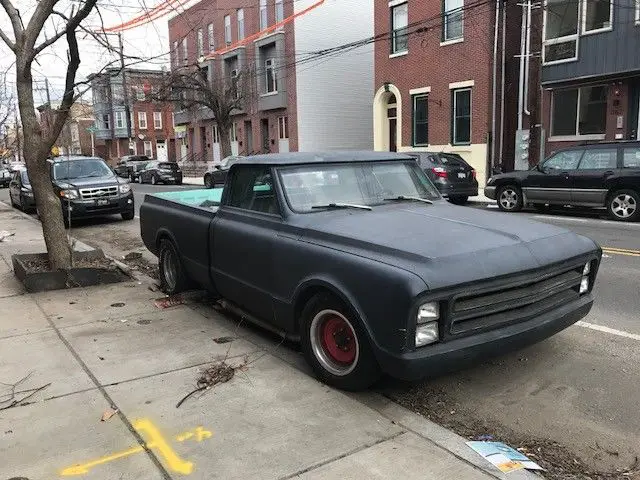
<point>140,96</point>
<point>120,121</point>
<point>240,13</point>
<point>227,29</point>
<point>210,39</point>
<point>157,120</point>
<point>461,117</point>
<point>579,111</point>
<point>452,22</point>
<point>399,22</point>
<point>142,120</point>
<point>420,120</point>
<point>148,149</point>
<point>263,14</point>
<point>597,15</point>
<point>560,32</point>
<point>234,132</point>
<point>185,51</point>
<point>235,92</point>
<point>215,138</point>
<point>279,11</point>
<point>200,43</point>
<point>270,75</point>
<point>176,53</point>
<point>283,128</point>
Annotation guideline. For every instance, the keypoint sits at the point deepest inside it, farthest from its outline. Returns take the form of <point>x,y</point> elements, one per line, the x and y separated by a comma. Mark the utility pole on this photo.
<point>127,110</point>
<point>535,97</point>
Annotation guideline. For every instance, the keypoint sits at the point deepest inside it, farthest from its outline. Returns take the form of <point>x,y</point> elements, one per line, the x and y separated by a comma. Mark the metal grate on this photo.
<point>97,193</point>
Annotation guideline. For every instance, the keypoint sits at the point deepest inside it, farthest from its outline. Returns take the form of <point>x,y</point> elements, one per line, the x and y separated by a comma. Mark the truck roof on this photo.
<point>296,158</point>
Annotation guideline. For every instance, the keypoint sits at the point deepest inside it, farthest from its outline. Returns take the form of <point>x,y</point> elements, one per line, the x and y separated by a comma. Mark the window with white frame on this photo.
<point>227,29</point>
<point>142,120</point>
<point>215,137</point>
<point>185,51</point>
<point>234,132</point>
<point>200,43</point>
<point>420,120</point>
<point>240,13</point>
<point>210,39</point>
<point>106,121</point>
<point>120,120</point>
<point>263,14</point>
<point>279,11</point>
<point>148,149</point>
<point>271,82</point>
<point>399,23</point>
<point>157,120</point>
<point>579,111</point>
<point>283,128</point>
<point>176,53</point>
<point>560,32</point>
<point>597,15</point>
<point>461,117</point>
<point>452,21</point>
<point>140,95</point>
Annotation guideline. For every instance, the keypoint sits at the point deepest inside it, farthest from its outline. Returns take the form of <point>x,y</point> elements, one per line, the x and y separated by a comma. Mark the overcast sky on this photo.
<point>149,42</point>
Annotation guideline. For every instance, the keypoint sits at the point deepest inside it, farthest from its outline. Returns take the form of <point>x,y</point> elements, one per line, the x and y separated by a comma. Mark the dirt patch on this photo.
<point>140,264</point>
<point>556,459</point>
<point>41,265</point>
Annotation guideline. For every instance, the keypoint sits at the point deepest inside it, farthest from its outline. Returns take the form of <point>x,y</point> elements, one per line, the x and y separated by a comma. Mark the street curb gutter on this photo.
<point>440,436</point>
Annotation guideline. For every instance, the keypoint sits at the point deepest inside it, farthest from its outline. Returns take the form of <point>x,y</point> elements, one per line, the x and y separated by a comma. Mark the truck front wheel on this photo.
<point>173,278</point>
<point>336,346</point>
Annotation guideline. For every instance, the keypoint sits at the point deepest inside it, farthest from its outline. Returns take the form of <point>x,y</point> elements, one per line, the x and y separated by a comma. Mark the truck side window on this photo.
<point>252,189</point>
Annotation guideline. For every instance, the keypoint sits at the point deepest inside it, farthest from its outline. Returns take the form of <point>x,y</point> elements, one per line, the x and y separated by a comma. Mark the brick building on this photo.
<point>435,74</point>
<point>75,137</point>
<point>301,100</point>
<point>152,131</point>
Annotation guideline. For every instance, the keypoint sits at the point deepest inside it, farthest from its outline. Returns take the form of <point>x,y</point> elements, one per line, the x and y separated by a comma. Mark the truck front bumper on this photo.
<point>458,353</point>
<point>98,208</point>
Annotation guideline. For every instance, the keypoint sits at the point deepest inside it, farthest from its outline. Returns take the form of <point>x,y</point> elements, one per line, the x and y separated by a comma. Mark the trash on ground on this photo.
<point>219,372</point>
<point>4,234</point>
<point>223,339</point>
<point>168,302</point>
<point>505,458</point>
<point>118,304</point>
<point>108,413</point>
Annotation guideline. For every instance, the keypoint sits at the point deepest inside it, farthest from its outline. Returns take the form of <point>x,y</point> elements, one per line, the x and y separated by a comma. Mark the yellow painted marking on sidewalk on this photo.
<point>621,251</point>
<point>155,440</point>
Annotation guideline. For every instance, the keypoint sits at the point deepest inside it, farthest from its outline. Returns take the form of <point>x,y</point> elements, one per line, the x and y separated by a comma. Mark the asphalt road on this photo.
<point>578,389</point>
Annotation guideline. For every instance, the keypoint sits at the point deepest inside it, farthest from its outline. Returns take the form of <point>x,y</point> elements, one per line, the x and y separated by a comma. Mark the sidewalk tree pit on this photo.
<point>89,268</point>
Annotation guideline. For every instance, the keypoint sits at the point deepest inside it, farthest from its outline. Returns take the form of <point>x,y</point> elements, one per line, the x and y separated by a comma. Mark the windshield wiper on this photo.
<point>343,205</point>
<point>402,198</point>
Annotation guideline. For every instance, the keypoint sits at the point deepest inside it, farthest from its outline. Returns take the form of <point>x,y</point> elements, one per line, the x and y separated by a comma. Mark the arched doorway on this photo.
<point>387,119</point>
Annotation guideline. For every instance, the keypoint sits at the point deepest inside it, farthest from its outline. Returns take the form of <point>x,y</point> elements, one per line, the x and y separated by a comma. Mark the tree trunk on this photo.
<point>225,140</point>
<point>36,150</point>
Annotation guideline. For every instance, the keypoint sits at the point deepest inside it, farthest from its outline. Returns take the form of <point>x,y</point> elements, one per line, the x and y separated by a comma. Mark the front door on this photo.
<point>589,180</point>
<point>550,182</point>
<point>393,146</point>
<point>215,137</point>
<point>248,137</point>
<point>161,151</point>
<point>264,127</point>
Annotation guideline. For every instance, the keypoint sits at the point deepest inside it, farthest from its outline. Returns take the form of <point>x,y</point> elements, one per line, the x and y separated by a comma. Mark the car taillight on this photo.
<point>473,174</point>
<point>439,172</point>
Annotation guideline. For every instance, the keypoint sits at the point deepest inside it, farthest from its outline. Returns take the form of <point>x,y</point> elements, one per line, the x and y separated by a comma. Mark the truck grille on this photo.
<point>99,192</point>
<point>495,307</point>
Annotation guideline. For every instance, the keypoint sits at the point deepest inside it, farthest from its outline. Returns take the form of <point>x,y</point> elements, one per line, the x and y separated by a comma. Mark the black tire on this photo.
<point>178,182</point>
<point>139,179</point>
<point>153,180</point>
<point>130,177</point>
<point>458,199</point>
<point>13,204</point>
<point>624,205</point>
<point>357,374</point>
<point>128,215</point>
<point>208,182</point>
<point>169,261</point>
<point>512,202</point>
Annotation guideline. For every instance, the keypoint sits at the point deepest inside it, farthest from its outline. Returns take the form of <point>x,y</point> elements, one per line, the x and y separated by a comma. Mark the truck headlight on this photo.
<point>428,312</point>
<point>427,334</point>
<point>584,283</point>
<point>69,194</point>
<point>125,188</point>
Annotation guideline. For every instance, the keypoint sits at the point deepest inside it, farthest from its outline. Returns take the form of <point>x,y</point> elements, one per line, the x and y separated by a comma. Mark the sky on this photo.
<point>149,42</point>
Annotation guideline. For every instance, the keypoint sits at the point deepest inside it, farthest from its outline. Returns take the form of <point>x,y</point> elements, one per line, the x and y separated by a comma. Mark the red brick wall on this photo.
<point>430,64</point>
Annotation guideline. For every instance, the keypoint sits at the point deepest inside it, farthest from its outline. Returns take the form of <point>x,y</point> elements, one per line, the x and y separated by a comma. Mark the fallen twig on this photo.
<point>26,397</point>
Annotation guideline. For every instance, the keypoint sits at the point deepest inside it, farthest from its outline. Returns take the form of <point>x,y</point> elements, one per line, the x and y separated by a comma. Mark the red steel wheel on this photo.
<point>334,342</point>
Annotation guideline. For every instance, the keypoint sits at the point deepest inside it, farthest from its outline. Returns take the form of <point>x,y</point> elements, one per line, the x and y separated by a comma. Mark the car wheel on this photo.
<point>458,199</point>
<point>509,198</point>
<point>128,215</point>
<point>139,179</point>
<point>173,278</point>
<point>207,181</point>
<point>336,346</point>
<point>153,180</point>
<point>130,177</point>
<point>624,206</point>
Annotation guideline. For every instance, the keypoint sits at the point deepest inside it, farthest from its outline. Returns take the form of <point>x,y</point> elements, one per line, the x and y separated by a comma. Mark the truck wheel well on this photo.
<point>306,295</point>
<point>161,237</point>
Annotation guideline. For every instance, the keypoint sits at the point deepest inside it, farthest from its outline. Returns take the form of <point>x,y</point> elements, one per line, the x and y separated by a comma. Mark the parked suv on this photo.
<point>602,175</point>
<point>130,166</point>
<point>453,177</point>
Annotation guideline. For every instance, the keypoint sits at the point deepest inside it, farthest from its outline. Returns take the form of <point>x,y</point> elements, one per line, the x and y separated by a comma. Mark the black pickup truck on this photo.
<point>357,256</point>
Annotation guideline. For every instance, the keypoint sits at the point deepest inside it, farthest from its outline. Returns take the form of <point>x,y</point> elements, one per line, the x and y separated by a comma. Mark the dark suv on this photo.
<point>130,166</point>
<point>453,177</point>
<point>603,175</point>
<point>87,187</point>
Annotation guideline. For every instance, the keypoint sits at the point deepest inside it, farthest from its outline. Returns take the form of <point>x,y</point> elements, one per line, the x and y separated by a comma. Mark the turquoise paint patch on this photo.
<point>195,198</point>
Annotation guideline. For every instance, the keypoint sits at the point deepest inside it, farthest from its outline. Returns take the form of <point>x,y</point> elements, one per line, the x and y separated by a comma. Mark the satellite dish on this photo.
<point>141,136</point>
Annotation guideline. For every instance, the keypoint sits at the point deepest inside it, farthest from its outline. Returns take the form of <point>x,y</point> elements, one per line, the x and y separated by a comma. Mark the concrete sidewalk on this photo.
<point>92,349</point>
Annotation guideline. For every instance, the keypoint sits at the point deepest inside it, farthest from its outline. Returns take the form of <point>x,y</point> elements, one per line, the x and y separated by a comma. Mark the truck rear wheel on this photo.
<point>336,346</point>
<point>173,278</point>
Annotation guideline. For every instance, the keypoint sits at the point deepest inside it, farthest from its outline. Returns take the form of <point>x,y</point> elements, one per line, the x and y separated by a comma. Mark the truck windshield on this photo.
<point>90,167</point>
<point>366,183</point>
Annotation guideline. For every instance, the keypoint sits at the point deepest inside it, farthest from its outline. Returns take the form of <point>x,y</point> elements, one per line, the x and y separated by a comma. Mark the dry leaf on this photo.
<point>108,413</point>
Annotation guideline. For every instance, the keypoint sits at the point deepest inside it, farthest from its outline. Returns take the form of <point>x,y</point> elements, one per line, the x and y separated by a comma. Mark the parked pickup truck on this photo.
<point>357,256</point>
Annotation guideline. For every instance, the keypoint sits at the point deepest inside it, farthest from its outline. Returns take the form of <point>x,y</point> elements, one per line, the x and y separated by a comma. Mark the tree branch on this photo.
<point>16,23</point>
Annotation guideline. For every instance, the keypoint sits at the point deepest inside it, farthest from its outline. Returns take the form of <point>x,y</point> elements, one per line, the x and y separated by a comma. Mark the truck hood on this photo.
<point>89,182</point>
<point>447,245</point>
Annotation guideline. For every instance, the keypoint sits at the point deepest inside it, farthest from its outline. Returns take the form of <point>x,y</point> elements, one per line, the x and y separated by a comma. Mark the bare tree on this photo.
<point>192,88</point>
<point>26,43</point>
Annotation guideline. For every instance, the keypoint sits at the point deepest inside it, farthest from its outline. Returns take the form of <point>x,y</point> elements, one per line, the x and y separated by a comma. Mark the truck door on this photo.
<point>243,234</point>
